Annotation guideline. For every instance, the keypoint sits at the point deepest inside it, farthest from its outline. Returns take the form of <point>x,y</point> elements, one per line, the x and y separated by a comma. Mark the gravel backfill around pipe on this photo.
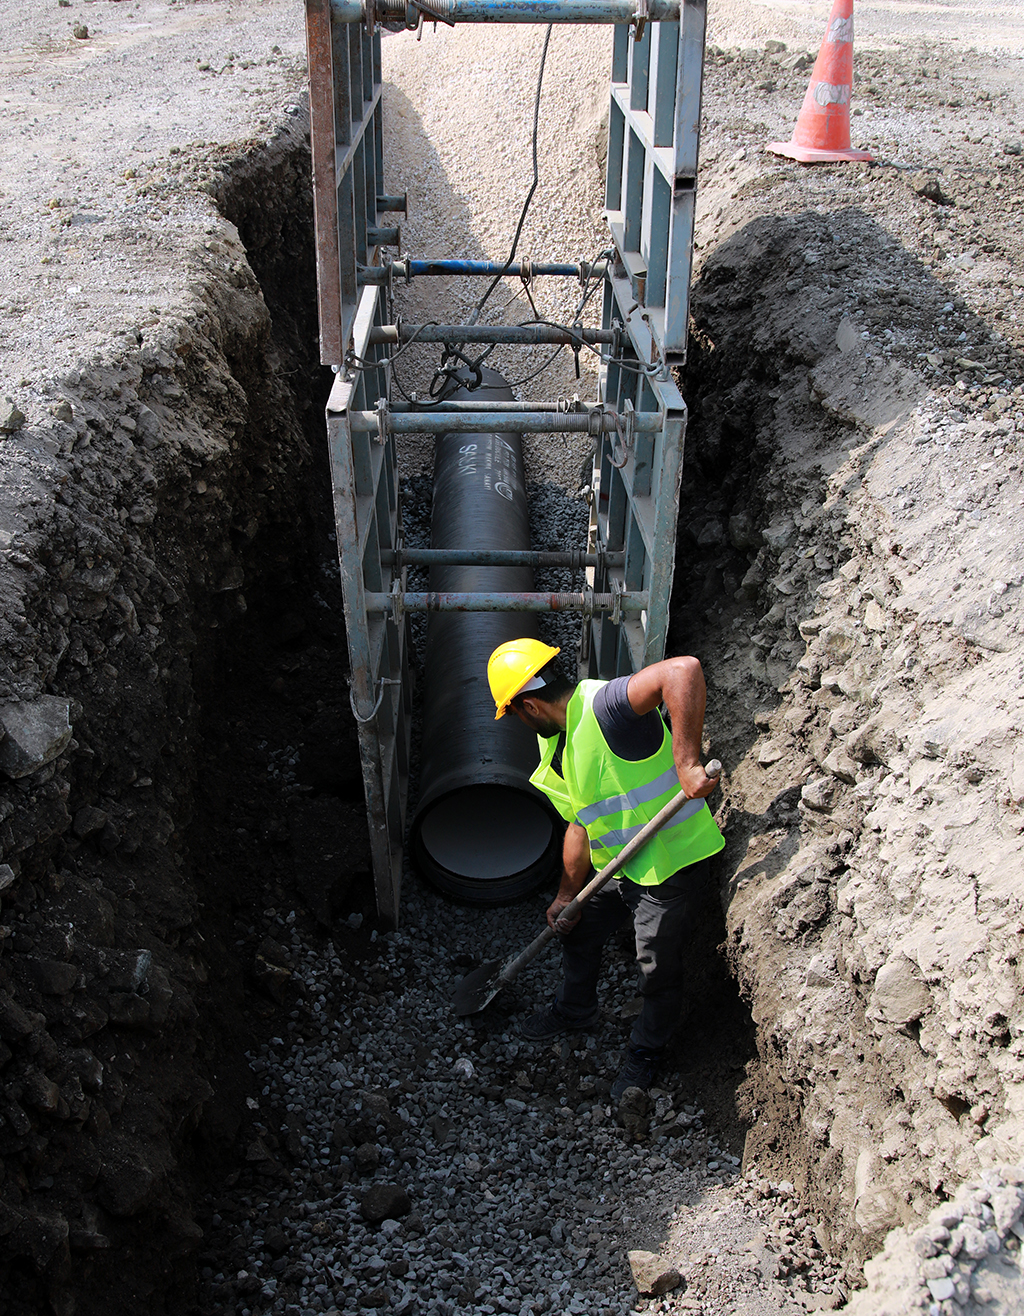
<point>497,1195</point>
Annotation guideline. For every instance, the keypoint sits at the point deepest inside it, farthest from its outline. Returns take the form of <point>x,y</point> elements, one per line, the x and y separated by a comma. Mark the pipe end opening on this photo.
<point>486,844</point>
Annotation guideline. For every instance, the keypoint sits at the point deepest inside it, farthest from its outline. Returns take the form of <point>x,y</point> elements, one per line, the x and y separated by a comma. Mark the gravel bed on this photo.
<point>444,1165</point>
<point>558,520</point>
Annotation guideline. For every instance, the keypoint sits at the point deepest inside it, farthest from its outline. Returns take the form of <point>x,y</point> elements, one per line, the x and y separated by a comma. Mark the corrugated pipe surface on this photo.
<point>481,832</point>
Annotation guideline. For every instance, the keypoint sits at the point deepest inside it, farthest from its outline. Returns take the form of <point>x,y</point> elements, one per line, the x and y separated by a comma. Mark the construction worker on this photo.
<point>608,764</point>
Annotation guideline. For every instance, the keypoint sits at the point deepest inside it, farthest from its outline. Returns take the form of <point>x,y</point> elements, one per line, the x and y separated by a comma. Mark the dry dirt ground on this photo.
<point>847,570</point>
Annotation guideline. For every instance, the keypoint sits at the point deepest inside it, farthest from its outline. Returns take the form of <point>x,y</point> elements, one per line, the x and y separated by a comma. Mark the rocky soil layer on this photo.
<point>967,1255</point>
<point>140,507</point>
<point>152,457</point>
<point>848,572</point>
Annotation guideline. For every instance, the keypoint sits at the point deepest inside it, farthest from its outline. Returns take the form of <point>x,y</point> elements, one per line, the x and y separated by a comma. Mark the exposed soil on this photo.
<point>188,808</point>
<point>857,395</point>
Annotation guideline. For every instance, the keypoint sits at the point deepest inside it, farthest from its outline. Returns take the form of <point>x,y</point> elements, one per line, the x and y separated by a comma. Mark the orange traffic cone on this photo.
<point>823,127</point>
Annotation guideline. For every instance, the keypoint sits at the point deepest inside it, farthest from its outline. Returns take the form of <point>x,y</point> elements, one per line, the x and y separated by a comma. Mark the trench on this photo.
<point>324,1060</point>
<point>281,858</point>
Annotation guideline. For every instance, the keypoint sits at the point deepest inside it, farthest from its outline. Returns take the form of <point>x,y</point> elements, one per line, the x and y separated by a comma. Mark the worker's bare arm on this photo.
<point>575,871</point>
<point>678,683</point>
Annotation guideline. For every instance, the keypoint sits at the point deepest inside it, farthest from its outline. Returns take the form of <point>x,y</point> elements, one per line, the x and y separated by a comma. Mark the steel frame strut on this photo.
<point>451,12</point>
<point>407,270</point>
<point>496,557</point>
<point>405,601</point>
<point>638,423</point>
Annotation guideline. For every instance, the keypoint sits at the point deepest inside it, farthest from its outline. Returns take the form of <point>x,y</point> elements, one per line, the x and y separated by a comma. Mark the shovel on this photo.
<point>479,988</point>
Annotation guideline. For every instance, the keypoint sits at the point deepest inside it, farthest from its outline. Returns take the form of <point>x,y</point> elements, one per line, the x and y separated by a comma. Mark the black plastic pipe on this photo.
<point>481,832</point>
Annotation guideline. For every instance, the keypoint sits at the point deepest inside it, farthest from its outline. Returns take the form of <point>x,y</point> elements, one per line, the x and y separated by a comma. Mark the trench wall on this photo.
<point>866,699</point>
<point>139,520</point>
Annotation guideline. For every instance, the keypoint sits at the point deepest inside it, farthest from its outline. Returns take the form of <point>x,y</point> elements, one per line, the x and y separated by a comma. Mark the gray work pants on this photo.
<point>661,916</point>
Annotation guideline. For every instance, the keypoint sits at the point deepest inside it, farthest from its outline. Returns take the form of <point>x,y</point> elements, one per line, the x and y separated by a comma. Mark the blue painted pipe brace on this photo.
<point>489,267</point>
<point>414,269</point>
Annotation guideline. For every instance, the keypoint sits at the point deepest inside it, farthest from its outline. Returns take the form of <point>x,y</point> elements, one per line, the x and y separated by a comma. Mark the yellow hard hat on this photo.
<point>512,665</point>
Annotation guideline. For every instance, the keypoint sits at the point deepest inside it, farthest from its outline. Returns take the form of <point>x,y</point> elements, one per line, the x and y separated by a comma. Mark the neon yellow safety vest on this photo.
<point>614,798</point>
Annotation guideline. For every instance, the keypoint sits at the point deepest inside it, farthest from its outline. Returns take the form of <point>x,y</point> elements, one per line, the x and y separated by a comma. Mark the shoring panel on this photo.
<point>652,172</point>
<point>651,180</point>
<point>366,514</point>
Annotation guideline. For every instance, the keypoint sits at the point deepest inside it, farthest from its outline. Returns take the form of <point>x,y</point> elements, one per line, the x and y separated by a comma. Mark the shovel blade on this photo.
<point>479,988</point>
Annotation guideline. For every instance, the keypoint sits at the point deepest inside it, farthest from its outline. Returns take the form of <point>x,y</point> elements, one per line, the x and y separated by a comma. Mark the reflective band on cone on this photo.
<point>822,130</point>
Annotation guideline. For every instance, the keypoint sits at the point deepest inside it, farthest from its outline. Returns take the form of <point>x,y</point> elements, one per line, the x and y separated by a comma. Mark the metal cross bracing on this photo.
<point>638,423</point>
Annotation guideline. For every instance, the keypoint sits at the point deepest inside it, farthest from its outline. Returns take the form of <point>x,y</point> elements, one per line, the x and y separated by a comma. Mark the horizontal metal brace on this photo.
<point>564,406</point>
<point>430,602</point>
<point>524,335</point>
<point>384,237</point>
<point>525,269</point>
<point>490,422</point>
<point>393,204</point>
<point>501,11</point>
<point>495,557</point>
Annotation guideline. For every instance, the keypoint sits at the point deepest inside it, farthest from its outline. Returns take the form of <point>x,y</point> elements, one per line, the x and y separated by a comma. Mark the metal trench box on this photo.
<point>639,421</point>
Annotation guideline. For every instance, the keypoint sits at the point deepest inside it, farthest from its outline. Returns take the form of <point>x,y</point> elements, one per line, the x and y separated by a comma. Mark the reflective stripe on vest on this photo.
<point>615,798</point>
<point>616,840</point>
<point>640,795</point>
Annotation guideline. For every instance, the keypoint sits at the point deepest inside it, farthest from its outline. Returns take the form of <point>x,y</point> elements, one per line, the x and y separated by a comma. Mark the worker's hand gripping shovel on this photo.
<point>481,986</point>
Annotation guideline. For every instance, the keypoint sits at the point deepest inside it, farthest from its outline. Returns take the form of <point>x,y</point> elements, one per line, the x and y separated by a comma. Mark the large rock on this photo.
<point>817,795</point>
<point>384,1201</point>
<point>842,766</point>
<point>928,186</point>
<point>652,1274</point>
<point>34,733</point>
<point>874,742</point>
<point>634,1113</point>
<point>377,1108</point>
<point>15,1023</point>
<point>89,822</point>
<point>50,977</point>
<point>899,993</point>
<point>743,534</point>
<point>367,1157</point>
<point>836,644</point>
<point>11,417</point>
<point>780,534</point>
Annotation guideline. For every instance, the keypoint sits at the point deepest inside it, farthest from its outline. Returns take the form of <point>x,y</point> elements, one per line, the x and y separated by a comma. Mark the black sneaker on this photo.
<point>540,1027</point>
<point>637,1072</point>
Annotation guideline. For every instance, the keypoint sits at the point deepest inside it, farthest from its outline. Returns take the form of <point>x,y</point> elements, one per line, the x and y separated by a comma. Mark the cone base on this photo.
<point>809,155</point>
